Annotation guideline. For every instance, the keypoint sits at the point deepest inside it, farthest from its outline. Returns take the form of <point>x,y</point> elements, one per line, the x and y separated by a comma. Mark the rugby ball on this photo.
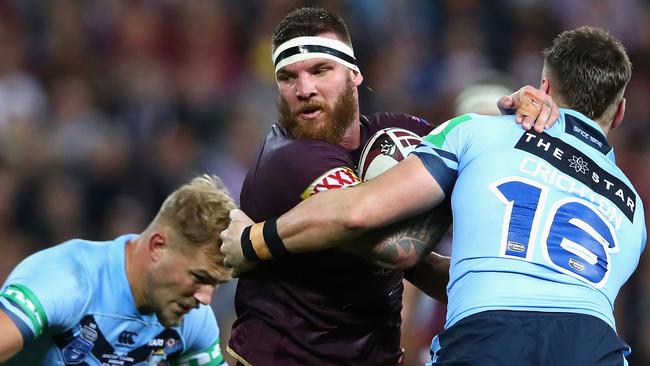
<point>384,150</point>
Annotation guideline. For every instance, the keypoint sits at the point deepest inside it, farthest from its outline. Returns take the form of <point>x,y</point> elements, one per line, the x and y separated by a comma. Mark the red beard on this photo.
<point>329,127</point>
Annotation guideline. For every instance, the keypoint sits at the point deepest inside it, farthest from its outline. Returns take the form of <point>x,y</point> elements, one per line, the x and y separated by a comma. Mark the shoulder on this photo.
<point>280,148</point>
<point>377,121</point>
<point>58,282</point>
<point>299,160</point>
<point>47,288</point>
<point>58,265</point>
<point>486,127</point>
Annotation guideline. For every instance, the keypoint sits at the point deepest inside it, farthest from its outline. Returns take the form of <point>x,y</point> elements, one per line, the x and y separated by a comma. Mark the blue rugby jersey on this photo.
<point>73,306</point>
<point>542,222</point>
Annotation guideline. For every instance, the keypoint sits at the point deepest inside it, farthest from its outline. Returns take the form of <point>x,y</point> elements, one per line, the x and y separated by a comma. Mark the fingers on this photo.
<point>226,247</point>
<point>231,239</point>
<point>530,107</point>
<point>506,104</point>
<point>544,115</point>
<point>546,110</point>
<point>548,114</point>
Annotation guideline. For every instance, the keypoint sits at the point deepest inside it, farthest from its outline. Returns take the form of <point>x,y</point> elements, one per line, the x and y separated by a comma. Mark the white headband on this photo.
<point>304,48</point>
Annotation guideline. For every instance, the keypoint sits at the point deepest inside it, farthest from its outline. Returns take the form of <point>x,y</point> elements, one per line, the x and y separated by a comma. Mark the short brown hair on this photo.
<point>591,69</point>
<point>198,211</point>
<point>304,22</point>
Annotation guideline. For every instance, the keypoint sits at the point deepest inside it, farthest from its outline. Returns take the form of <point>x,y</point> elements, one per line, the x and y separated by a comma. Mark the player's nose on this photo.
<point>204,294</point>
<point>305,86</point>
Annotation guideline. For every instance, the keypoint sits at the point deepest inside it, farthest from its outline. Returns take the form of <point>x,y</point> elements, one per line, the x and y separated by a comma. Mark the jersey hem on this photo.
<point>239,358</point>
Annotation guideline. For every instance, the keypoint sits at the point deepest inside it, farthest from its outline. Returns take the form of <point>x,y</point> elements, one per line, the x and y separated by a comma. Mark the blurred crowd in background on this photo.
<point>107,105</point>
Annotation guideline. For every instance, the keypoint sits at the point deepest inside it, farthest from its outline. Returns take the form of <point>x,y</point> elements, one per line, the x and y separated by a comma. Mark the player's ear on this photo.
<point>157,245</point>
<point>618,117</point>
<point>357,78</point>
<point>546,85</point>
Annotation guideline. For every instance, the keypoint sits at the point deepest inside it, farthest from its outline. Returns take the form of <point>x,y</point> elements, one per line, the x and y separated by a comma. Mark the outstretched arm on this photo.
<point>11,341</point>
<point>331,218</point>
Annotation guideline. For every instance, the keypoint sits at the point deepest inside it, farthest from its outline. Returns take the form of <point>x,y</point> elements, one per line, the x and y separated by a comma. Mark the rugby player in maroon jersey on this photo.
<point>329,307</point>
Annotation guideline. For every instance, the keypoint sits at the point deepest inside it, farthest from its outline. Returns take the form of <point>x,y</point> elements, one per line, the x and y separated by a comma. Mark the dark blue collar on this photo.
<point>586,130</point>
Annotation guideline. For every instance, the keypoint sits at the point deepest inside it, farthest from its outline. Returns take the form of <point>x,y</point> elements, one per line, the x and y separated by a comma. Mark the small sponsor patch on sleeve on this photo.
<point>209,356</point>
<point>340,177</point>
<point>21,299</point>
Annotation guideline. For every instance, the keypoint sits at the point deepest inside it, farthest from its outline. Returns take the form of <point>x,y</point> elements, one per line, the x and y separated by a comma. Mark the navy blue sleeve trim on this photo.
<point>23,328</point>
<point>445,176</point>
<point>446,155</point>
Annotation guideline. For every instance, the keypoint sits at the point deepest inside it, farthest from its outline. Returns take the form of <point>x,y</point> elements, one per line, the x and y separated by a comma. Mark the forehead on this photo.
<point>209,259</point>
<point>203,256</point>
<point>310,63</point>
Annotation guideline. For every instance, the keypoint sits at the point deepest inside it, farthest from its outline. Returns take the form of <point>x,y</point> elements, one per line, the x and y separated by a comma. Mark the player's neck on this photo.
<point>352,137</point>
<point>132,274</point>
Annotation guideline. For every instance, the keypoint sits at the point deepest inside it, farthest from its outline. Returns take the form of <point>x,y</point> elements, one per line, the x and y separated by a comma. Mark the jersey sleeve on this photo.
<point>440,151</point>
<point>43,292</point>
<point>201,334</point>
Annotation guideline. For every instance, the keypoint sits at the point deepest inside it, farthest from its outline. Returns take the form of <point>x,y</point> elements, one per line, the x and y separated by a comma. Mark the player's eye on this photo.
<point>322,70</point>
<point>284,78</point>
<point>202,279</point>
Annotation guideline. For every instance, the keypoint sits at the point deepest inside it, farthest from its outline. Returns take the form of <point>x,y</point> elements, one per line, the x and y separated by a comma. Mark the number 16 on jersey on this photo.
<point>576,239</point>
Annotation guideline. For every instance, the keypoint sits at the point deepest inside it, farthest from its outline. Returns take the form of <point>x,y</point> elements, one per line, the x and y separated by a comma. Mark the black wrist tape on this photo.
<point>247,245</point>
<point>273,240</point>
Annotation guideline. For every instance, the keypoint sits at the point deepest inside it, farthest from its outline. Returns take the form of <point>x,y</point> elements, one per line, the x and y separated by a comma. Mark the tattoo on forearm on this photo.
<point>408,241</point>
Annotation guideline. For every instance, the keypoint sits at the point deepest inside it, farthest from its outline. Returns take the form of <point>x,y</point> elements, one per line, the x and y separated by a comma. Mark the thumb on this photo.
<point>506,101</point>
<point>505,104</point>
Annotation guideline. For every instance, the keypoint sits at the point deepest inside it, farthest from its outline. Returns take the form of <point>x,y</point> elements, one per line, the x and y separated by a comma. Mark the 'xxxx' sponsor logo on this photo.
<point>334,178</point>
<point>339,178</point>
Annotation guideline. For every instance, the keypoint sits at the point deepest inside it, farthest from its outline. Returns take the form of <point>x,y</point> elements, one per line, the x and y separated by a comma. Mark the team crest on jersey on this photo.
<point>340,177</point>
<point>77,350</point>
<point>90,344</point>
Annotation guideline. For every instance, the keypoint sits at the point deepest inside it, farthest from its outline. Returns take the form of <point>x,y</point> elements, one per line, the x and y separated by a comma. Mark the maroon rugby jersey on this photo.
<point>322,308</point>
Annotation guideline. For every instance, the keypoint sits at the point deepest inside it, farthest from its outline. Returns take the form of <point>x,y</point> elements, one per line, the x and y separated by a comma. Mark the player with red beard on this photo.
<point>329,307</point>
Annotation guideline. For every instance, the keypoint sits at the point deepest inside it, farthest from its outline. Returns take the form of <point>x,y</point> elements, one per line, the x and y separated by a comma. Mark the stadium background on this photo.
<point>106,106</point>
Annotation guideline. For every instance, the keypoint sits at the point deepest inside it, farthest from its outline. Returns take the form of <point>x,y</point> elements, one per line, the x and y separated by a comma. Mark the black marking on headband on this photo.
<point>312,49</point>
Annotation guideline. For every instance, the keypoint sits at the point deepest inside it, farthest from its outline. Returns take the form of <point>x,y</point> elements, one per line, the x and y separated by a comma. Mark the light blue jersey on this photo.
<point>542,222</point>
<point>73,306</point>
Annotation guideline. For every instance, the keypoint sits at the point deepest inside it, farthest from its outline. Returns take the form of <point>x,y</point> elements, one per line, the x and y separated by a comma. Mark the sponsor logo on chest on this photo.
<point>580,167</point>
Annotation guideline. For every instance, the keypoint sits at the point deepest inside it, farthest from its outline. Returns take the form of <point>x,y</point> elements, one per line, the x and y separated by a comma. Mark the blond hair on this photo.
<point>198,212</point>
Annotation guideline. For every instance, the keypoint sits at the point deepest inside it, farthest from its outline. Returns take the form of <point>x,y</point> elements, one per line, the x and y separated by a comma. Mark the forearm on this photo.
<point>321,222</point>
<point>400,246</point>
<point>331,218</point>
<point>431,276</point>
